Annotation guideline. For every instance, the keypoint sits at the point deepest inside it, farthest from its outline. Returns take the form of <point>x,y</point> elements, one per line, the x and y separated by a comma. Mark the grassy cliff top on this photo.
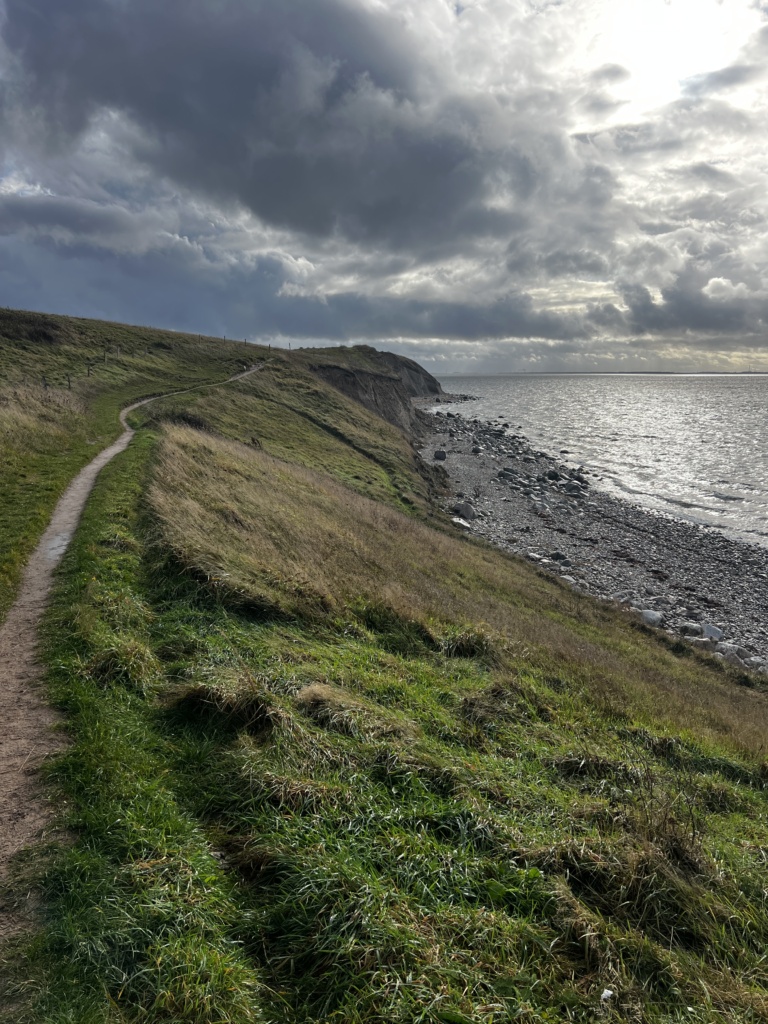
<point>332,762</point>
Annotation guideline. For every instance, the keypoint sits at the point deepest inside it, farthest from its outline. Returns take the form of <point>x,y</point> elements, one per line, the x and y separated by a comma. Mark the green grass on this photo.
<point>345,813</point>
<point>59,404</point>
<point>286,412</point>
<point>331,763</point>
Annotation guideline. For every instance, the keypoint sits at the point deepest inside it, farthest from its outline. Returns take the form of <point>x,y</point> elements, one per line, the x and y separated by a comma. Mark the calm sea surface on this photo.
<point>695,447</point>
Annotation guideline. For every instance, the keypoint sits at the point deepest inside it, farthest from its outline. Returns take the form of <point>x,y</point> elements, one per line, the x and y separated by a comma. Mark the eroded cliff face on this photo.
<point>383,382</point>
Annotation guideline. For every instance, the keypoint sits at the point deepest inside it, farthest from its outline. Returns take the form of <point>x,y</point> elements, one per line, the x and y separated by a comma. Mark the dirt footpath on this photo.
<point>27,734</point>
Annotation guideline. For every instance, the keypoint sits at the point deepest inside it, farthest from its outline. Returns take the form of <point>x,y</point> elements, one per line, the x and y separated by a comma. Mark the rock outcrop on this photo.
<point>383,382</point>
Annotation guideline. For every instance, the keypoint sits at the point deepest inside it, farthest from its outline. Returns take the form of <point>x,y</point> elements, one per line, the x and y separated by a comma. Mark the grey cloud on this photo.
<point>609,74</point>
<point>657,227</point>
<point>79,220</point>
<point>723,79</point>
<point>674,129</point>
<point>320,116</point>
<point>555,263</point>
<point>684,307</point>
<point>711,175</point>
<point>599,103</point>
<point>175,289</point>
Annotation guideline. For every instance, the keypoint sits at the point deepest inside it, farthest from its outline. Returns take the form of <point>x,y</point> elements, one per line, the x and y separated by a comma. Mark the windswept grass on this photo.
<point>331,764</point>
<point>279,540</point>
<point>286,412</point>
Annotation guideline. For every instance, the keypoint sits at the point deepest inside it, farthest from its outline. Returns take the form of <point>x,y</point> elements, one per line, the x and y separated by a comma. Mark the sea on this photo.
<point>693,446</point>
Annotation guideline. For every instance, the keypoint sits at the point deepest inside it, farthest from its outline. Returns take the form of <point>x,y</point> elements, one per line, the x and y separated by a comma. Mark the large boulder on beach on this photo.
<point>730,653</point>
<point>573,487</point>
<point>440,455</point>
<point>465,510</point>
<point>651,617</point>
<point>710,632</point>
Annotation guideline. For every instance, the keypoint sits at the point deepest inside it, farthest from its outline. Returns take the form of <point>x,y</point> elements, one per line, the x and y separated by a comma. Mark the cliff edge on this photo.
<point>383,382</point>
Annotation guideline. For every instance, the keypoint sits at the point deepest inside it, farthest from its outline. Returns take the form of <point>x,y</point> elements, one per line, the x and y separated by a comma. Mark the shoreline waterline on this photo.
<point>692,446</point>
<point>687,578</point>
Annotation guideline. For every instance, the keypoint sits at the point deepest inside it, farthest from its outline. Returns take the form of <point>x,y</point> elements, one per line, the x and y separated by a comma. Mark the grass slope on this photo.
<point>62,384</point>
<point>331,763</point>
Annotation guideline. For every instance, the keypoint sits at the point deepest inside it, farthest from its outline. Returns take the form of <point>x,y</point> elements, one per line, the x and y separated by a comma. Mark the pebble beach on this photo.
<point>688,579</point>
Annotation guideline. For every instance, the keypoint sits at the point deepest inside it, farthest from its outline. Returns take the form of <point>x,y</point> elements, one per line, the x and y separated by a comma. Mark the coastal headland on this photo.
<point>326,749</point>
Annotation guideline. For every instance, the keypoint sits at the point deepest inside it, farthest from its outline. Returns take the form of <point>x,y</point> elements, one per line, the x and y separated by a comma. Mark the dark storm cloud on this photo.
<point>73,219</point>
<point>684,306</point>
<point>176,288</point>
<point>320,116</point>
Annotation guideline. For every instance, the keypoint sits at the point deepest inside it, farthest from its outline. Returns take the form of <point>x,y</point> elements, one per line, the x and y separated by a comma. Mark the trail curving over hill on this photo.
<point>27,736</point>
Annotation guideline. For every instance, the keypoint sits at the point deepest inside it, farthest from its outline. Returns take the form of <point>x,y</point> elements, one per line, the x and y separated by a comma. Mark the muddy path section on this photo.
<point>27,735</point>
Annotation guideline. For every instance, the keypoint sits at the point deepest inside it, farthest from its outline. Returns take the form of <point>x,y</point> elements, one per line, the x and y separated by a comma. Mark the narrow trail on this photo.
<point>27,736</point>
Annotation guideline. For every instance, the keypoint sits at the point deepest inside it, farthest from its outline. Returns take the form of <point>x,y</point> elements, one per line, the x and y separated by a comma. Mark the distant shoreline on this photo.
<point>613,373</point>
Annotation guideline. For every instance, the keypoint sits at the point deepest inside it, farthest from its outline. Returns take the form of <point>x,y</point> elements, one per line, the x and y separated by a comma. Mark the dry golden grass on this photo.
<point>27,411</point>
<point>294,542</point>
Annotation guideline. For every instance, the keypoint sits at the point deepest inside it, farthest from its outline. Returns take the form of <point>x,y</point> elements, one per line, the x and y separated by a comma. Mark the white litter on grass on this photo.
<point>607,994</point>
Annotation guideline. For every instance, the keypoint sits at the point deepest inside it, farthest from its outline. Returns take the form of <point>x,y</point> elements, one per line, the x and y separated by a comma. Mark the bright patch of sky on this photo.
<point>661,43</point>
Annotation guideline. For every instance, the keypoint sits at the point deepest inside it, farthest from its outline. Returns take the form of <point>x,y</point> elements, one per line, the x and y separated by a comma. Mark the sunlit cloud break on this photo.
<point>498,186</point>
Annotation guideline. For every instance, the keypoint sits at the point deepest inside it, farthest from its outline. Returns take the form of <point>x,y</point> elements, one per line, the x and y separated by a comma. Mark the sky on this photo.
<point>483,185</point>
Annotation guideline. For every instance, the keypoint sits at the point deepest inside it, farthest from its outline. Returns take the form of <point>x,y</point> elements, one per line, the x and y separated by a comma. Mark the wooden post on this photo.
<point>88,366</point>
<point>69,382</point>
<point>105,353</point>
<point>45,382</point>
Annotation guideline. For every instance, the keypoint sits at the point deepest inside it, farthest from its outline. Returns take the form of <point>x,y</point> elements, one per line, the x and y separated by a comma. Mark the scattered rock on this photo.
<point>534,503</point>
<point>651,617</point>
<point>440,455</point>
<point>691,629</point>
<point>710,632</point>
